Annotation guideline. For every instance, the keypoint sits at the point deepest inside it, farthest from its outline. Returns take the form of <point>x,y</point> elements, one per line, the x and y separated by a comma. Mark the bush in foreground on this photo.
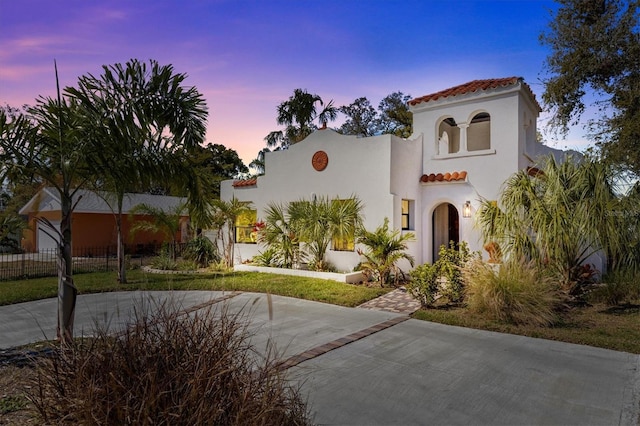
<point>168,368</point>
<point>513,292</point>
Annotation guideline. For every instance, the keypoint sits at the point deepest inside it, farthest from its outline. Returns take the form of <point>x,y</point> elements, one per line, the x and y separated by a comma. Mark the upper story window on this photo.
<point>448,137</point>
<point>479,132</point>
<point>469,138</point>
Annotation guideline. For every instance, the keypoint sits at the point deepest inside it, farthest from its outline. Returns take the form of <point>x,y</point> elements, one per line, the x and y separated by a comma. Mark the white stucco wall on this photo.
<point>357,167</point>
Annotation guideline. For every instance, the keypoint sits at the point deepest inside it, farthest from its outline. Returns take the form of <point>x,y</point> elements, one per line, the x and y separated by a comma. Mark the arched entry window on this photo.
<point>445,227</point>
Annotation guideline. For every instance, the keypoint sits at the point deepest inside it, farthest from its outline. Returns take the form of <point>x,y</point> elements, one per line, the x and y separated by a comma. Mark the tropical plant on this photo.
<point>384,249</point>
<point>322,220</point>
<point>225,216</point>
<point>267,257</point>
<point>150,120</point>
<point>558,217</point>
<point>298,114</point>
<point>515,291</point>
<point>201,250</point>
<point>282,233</point>
<point>158,221</point>
<point>51,145</point>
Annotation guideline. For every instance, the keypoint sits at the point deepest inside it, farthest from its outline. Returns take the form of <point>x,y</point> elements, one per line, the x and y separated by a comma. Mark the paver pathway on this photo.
<point>398,301</point>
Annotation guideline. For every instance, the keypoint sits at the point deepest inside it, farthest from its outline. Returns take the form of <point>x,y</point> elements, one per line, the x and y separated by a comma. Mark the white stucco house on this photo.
<point>467,140</point>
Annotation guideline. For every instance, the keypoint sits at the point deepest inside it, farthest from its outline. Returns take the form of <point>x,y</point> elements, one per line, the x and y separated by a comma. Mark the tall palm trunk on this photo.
<point>122,266</point>
<point>67,291</point>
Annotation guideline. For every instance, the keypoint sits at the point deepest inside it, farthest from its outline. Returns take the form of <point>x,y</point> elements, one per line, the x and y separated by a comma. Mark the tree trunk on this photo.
<point>122,267</point>
<point>67,291</point>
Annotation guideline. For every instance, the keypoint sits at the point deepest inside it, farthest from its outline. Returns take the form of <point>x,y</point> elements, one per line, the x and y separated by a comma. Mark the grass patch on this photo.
<point>11,403</point>
<point>299,287</point>
<point>598,325</point>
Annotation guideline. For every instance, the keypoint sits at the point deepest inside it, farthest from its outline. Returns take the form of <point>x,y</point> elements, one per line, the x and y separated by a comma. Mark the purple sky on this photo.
<point>248,56</point>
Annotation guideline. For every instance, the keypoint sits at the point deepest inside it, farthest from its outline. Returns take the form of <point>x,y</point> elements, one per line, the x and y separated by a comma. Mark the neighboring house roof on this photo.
<point>48,199</point>
<point>444,177</point>
<point>474,87</point>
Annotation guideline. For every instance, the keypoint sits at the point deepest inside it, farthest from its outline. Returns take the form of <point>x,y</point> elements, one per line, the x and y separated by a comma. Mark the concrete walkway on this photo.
<point>369,366</point>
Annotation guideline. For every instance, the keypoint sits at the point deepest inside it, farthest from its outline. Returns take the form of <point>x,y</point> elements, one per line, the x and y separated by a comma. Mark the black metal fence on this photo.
<point>90,259</point>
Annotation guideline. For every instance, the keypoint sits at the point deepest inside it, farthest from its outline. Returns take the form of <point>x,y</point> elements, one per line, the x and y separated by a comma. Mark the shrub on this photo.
<point>202,251</point>
<point>443,278</point>
<point>517,293</point>
<point>449,265</point>
<point>164,262</point>
<point>167,369</point>
<point>423,285</point>
<point>617,287</point>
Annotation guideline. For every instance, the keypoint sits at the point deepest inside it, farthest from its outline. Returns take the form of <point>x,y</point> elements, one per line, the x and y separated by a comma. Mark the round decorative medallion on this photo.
<point>320,160</point>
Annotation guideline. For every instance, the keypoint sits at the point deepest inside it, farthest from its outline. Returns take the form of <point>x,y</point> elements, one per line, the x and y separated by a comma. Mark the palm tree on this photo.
<point>151,120</point>
<point>384,250</point>
<point>298,114</point>
<point>51,144</point>
<point>558,216</point>
<point>282,234</point>
<point>161,221</point>
<point>322,220</point>
<point>225,216</point>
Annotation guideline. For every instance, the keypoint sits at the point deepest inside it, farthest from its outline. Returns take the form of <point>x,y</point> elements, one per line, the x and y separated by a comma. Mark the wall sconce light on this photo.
<point>466,209</point>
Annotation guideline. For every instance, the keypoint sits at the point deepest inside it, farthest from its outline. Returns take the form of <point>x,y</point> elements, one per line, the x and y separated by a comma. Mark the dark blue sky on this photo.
<point>248,56</point>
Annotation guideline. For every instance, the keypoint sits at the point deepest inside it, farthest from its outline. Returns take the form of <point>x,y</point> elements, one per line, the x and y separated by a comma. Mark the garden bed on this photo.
<point>349,277</point>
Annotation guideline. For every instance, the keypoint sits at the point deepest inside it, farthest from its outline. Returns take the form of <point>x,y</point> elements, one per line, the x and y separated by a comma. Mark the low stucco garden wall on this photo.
<point>349,278</point>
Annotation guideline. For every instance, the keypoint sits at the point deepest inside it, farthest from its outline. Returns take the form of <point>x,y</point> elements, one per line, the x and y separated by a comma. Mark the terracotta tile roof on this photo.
<point>474,86</point>
<point>245,182</point>
<point>444,177</point>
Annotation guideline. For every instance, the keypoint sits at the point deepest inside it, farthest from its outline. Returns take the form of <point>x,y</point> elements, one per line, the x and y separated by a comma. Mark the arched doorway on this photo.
<point>445,225</point>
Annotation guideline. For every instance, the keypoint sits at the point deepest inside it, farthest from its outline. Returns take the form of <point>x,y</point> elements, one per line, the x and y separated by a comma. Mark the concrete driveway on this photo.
<point>368,367</point>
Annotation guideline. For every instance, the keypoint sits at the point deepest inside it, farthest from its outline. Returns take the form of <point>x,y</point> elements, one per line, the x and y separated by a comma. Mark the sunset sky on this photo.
<point>248,56</point>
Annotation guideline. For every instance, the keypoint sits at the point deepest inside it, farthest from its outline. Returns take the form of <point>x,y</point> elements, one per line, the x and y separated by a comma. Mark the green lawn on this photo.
<point>299,287</point>
<point>616,328</point>
<point>601,326</point>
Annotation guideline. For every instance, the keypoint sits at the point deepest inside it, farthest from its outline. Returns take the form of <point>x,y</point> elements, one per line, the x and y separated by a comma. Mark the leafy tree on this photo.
<point>218,163</point>
<point>320,221</point>
<point>12,198</point>
<point>394,115</point>
<point>595,53</point>
<point>149,120</point>
<point>558,217</point>
<point>362,118</point>
<point>298,114</point>
<point>385,249</point>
